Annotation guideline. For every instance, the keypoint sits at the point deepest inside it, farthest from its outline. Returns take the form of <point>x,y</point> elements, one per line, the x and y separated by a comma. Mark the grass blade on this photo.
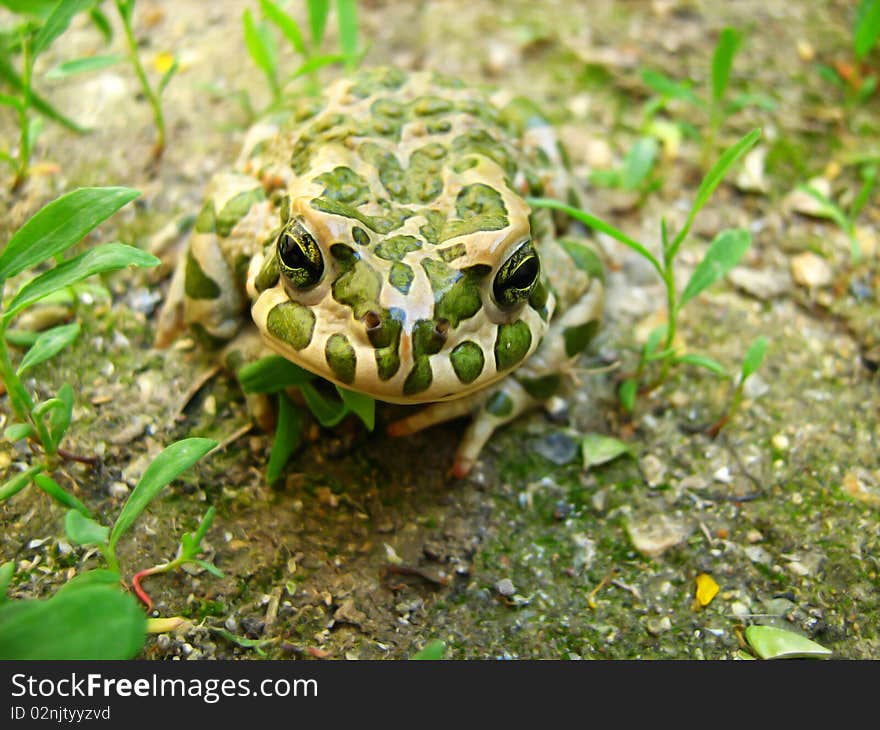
<point>713,180</point>
<point>361,405</point>
<point>753,358</point>
<point>725,251</point>
<point>55,490</point>
<point>664,86</point>
<point>59,225</point>
<point>261,48</point>
<point>599,225</point>
<point>48,344</point>
<point>722,62</point>
<point>287,437</point>
<point>7,571</point>
<point>167,466</point>
<point>867,28</point>
<point>702,361</point>
<point>639,162</point>
<point>318,10</point>
<point>107,257</point>
<point>57,23</point>
<point>271,374</point>
<point>347,21</point>
<point>83,65</point>
<point>328,412</point>
<point>287,25</point>
<point>11,77</point>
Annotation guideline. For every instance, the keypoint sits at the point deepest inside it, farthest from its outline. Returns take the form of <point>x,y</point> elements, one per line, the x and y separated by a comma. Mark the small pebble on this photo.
<point>810,270</point>
<point>505,587</point>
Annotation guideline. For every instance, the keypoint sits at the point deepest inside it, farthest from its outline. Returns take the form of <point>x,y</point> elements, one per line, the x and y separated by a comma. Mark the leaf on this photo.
<point>347,23</point>
<point>598,224</point>
<point>57,23</point>
<point>432,651</point>
<point>84,530</point>
<point>361,405</point>
<point>59,418</point>
<point>329,412</point>
<point>261,48</point>
<point>95,622</point>
<point>287,25</point>
<point>83,65</point>
<point>314,63</point>
<point>96,577</point>
<point>598,449</point>
<point>38,9</point>
<point>702,361</point>
<point>867,28</point>
<point>102,23</point>
<point>271,374</point>
<point>725,252</point>
<point>64,498</point>
<point>318,10</point>
<point>166,77</point>
<point>713,179</point>
<point>167,466</point>
<point>754,357</point>
<point>667,87</point>
<point>772,643</point>
<point>18,431</point>
<point>11,77</point>
<point>639,162</point>
<point>48,344</point>
<point>707,589</point>
<point>13,101</point>
<point>829,209</point>
<point>191,542</point>
<point>13,486</point>
<point>655,337</point>
<point>722,62</point>
<point>34,130</point>
<point>626,393</point>
<point>7,571</point>
<point>288,433</point>
<point>210,567</point>
<point>59,225</point>
<point>97,260</point>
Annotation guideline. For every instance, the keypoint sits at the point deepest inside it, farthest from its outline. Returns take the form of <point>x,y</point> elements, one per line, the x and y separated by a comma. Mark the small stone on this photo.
<point>348,613</point>
<point>558,447</point>
<point>802,202</point>
<point>778,606</point>
<point>867,239</point>
<point>599,500</point>
<point>657,626</point>
<point>754,536</point>
<point>752,179</point>
<point>810,270</point>
<point>805,50</point>
<point>763,284</point>
<point>118,490</point>
<point>598,154</point>
<point>505,587</point>
<point>757,554</point>
<point>780,442</point>
<point>252,627</point>
<point>655,534</point>
<point>652,469</point>
<point>739,609</point>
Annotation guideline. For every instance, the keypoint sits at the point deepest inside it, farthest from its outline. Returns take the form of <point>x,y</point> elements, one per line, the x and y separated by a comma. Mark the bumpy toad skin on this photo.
<point>380,239</point>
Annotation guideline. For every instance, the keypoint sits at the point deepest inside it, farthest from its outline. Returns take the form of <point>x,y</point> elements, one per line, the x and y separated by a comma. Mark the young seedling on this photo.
<point>635,174</point>
<point>274,374</point>
<point>846,219</point>
<point>39,27</point>
<point>263,48</point>
<point>713,102</point>
<point>46,236</point>
<point>723,254</point>
<point>855,77</point>
<point>153,95</point>
<point>751,362</point>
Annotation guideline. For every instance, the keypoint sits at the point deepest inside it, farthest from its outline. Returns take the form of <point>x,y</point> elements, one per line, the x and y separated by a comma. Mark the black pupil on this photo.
<point>525,274</point>
<point>290,253</point>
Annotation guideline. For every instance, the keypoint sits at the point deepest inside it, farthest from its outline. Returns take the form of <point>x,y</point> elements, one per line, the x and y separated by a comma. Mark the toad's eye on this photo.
<point>299,257</point>
<point>517,277</point>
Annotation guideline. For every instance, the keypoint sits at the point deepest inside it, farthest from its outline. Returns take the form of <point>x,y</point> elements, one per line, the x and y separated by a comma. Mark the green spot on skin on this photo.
<point>196,283</point>
<point>292,323</point>
<point>420,377</point>
<point>394,218</point>
<point>512,344</point>
<point>541,388</point>
<point>421,182</point>
<point>450,253</point>
<point>479,208</point>
<point>269,273</point>
<point>441,126</point>
<point>578,337</point>
<point>341,357</point>
<point>386,340</point>
<point>396,247</point>
<point>499,405</point>
<point>360,236</point>
<point>236,208</point>
<point>358,288</point>
<point>344,185</point>
<point>585,258</point>
<point>456,291</point>
<point>370,81</point>
<point>467,361</point>
<point>427,339</point>
<point>206,221</point>
<point>480,142</point>
<point>400,277</point>
<point>346,256</point>
<point>430,105</point>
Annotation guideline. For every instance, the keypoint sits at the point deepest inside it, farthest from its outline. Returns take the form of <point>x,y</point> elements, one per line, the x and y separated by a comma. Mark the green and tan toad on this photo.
<point>380,238</point>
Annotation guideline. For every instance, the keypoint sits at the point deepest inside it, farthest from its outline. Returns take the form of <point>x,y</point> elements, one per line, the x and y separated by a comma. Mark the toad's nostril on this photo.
<point>372,320</point>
